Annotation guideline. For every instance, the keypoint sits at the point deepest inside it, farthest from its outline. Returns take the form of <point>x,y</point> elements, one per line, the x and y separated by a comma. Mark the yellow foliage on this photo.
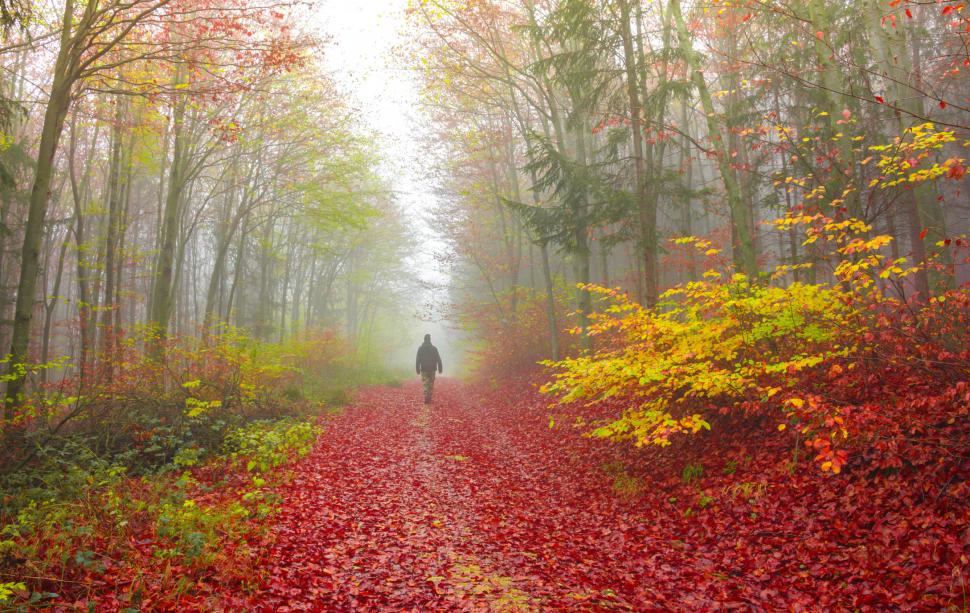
<point>900,162</point>
<point>711,344</point>
<point>861,259</point>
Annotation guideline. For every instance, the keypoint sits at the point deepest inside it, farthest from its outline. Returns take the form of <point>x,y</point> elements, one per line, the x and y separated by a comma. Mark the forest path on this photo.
<point>463,505</point>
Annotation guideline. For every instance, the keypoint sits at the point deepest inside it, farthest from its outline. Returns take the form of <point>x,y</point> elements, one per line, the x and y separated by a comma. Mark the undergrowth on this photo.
<point>147,481</point>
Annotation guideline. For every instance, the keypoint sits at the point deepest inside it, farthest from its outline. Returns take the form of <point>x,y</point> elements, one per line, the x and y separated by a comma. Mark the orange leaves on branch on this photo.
<point>950,9</point>
<point>829,459</point>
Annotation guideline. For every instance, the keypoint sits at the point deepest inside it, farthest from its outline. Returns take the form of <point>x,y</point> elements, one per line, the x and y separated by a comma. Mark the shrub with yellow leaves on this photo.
<point>711,345</point>
<point>804,355</point>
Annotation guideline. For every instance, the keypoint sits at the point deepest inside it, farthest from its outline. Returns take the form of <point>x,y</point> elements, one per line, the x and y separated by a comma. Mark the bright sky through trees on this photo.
<point>366,60</point>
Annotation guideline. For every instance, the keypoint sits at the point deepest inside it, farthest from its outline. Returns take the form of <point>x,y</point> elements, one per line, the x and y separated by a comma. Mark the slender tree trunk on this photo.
<point>238,271</point>
<point>604,257</point>
<point>920,207</point>
<point>745,257</point>
<point>351,299</point>
<point>122,246</point>
<point>550,302</point>
<point>296,302</point>
<point>264,309</point>
<point>543,244</point>
<point>116,191</point>
<point>832,104</point>
<point>310,292</point>
<point>285,288</point>
<point>223,244</point>
<point>54,117</point>
<point>582,251</point>
<point>85,298</point>
<point>50,307</point>
<point>513,247</point>
<point>162,294</point>
<point>687,165</point>
<point>646,211</point>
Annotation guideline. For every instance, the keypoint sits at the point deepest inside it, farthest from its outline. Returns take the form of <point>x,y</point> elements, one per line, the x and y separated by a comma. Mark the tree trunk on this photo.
<point>85,299</point>
<point>115,192</point>
<point>743,251</point>
<point>687,166</point>
<point>223,243</point>
<point>646,212</point>
<point>54,117</point>
<point>122,234</point>
<point>238,271</point>
<point>550,302</point>
<point>920,206</point>
<point>160,313</point>
<point>50,307</point>
<point>264,318</point>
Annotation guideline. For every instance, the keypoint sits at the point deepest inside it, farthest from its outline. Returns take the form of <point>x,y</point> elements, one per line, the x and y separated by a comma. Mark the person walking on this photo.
<point>427,363</point>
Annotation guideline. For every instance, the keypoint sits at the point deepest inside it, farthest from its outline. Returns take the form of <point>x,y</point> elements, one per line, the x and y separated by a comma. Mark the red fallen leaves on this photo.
<point>137,573</point>
<point>476,503</point>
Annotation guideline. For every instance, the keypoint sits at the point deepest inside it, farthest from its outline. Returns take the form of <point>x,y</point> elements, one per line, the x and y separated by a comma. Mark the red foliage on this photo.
<point>903,400</point>
<point>513,339</point>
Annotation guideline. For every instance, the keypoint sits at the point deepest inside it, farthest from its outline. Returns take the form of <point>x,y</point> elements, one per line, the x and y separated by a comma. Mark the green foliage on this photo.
<point>704,500</point>
<point>193,531</point>
<point>266,444</point>
<point>9,589</point>
<point>691,473</point>
<point>174,408</point>
<point>124,468</point>
<point>581,194</point>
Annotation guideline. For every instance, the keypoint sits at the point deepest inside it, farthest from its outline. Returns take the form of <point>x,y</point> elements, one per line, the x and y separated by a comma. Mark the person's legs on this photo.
<point>427,379</point>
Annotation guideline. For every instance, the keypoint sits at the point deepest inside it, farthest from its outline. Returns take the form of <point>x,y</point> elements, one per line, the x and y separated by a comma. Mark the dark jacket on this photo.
<point>428,359</point>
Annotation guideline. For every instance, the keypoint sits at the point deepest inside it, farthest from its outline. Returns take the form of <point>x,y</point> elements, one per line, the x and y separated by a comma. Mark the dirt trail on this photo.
<point>449,507</point>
